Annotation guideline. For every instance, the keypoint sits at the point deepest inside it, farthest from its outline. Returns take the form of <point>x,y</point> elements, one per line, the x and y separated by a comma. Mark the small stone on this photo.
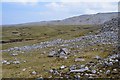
<point>108,72</point>
<point>97,57</point>
<point>115,71</point>
<point>4,61</point>
<point>86,74</point>
<point>72,68</point>
<point>24,61</point>
<point>110,64</point>
<point>80,70</point>
<point>34,73</point>
<point>14,54</point>
<point>50,77</point>
<point>24,69</point>
<point>62,67</point>
<point>111,59</point>
<point>86,68</point>
<point>82,66</point>
<point>116,60</point>
<point>51,71</point>
<point>65,57</point>
<point>16,62</point>
<point>93,71</point>
<point>100,70</point>
<point>8,63</point>
<point>56,72</point>
<point>79,59</point>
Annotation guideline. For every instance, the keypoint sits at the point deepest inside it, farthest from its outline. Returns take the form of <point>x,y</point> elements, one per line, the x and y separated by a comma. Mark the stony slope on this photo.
<point>112,25</point>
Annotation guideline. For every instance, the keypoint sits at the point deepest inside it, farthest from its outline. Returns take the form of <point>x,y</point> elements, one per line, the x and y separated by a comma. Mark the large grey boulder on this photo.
<point>63,52</point>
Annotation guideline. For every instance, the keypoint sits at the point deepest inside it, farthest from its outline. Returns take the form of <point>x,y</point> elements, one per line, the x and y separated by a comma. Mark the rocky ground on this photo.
<point>98,67</point>
<point>109,67</point>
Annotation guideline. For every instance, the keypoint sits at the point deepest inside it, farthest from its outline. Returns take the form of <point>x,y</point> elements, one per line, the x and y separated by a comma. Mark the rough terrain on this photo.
<point>72,52</point>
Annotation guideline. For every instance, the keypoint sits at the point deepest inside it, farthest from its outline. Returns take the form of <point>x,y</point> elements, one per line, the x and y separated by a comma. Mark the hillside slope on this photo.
<point>90,19</point>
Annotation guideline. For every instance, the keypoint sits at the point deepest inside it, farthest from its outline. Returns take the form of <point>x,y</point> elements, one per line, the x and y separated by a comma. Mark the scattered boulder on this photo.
<point>61,53</point>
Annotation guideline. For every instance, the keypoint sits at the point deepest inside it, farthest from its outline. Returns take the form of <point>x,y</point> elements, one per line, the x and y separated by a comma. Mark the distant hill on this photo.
<point>90,19</point>
<point>98,18</point>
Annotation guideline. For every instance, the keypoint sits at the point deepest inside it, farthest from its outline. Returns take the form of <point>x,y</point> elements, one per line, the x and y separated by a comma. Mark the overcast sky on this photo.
<point>22,12</point>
